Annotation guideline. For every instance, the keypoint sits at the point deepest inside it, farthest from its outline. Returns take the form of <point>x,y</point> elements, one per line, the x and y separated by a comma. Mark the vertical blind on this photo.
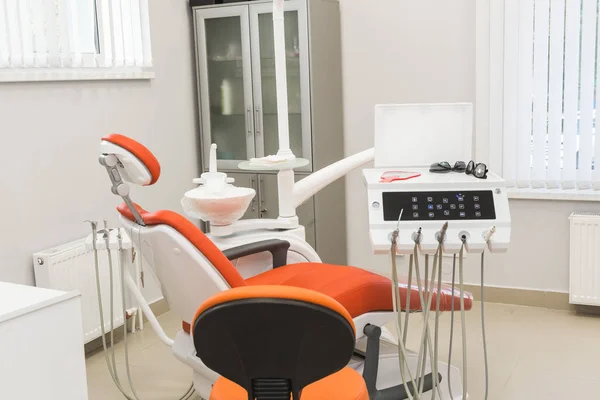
<point>551,75</point>
<point>74,33</point>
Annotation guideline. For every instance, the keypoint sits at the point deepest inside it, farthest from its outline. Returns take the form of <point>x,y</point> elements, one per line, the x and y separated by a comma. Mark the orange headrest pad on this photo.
<point>139,150</point>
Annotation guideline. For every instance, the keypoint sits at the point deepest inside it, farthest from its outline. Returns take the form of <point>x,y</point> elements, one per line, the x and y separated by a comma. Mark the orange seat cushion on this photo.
<point>345,384</point>
<point>358,290</point>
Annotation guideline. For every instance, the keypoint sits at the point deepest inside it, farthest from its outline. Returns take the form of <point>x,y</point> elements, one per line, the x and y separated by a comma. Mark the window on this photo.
<point>544,74</point>
<point>74,39</point>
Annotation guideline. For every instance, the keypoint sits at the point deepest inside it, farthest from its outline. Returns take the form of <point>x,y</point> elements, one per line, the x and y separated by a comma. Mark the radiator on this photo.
<point>584,259</point>
<point>71,267</point>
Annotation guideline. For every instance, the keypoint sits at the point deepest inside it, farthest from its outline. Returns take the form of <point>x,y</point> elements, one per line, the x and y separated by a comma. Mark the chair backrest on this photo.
<point>273,339</point>
<point>188,265</point>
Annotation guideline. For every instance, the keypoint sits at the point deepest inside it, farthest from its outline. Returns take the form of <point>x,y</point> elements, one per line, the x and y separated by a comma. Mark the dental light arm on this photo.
<point>281,81</point>
<point>313,183</point>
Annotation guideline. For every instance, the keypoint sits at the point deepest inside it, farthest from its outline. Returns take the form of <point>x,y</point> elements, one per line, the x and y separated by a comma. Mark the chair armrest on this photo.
<point>278,249</point>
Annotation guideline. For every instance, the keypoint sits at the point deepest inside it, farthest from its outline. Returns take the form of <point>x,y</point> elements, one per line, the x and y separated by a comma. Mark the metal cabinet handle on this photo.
<point>262,200</point>
<point>258,120</point>
<point>249,121</point>
<point>253,183</point>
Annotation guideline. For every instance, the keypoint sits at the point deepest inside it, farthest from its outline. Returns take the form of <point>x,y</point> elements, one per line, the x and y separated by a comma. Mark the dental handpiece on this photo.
<point>417,236</point>
<point>487,235</point>
<point>441,235</point>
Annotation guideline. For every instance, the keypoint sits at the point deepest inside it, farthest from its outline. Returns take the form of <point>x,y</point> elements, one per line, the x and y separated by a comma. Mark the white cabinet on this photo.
<point>236,75</point>
<point>237,101</point>
<point>41,344</point>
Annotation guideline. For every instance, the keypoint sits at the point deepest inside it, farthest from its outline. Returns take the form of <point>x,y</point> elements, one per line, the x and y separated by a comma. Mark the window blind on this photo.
<point>551,75</point>
<point>74,34</point>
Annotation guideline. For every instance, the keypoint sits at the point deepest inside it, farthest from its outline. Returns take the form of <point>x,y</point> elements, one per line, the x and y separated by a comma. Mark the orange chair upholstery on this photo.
<point>358,290</point>
<point>344,384</point>
<point>277,342</point>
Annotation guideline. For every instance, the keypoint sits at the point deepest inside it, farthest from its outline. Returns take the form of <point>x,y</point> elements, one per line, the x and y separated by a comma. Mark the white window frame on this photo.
<point>490,97</point>
<point>123,35</point>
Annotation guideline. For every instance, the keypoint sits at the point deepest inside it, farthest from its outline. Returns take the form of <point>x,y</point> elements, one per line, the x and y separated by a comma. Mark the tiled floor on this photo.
<point>533,353</point>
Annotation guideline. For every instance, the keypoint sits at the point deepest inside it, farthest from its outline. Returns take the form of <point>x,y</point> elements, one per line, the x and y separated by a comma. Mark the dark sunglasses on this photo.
<point>479,170</point>
<point>444,166</point>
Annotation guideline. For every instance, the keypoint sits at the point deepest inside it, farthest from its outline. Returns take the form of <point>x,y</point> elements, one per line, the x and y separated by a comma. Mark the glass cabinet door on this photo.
<point>263,72</point>
<point>225,84</point>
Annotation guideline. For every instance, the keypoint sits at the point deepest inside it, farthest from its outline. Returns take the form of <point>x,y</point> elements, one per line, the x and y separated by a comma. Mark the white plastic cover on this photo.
<point>418,135</point>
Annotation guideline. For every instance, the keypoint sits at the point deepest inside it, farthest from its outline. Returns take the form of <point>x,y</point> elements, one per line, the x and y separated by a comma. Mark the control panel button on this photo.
<point>415,206</point>
<point>430,199</point>
<point>446,212</point>
<point>475,198</point>
<point>461,206</point>
<point>430,206</point>
<point>414,200</point>
<point>445,200</point>
<point>415,215</point>
<point>453,206</point>
<point>460,197</point>
<point>439,206</point>
<point>478,213</point>
<point>477,206</point>
<point>462,214</point>
<point>431,215</point>
<point>375,205</point>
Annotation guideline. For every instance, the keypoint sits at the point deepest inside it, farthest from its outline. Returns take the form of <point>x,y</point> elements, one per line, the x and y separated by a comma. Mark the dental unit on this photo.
<point>432,214</point>
<point>193,267</point>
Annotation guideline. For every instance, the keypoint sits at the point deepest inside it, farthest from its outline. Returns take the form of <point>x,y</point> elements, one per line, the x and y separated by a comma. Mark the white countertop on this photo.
<point>16,300</point>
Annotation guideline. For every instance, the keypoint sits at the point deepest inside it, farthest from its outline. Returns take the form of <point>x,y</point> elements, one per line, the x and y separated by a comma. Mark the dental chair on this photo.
<point>270,342</point>
<point>191,268</point>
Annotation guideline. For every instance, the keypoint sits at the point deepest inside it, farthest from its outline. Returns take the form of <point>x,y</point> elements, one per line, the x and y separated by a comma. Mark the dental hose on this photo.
<point>451,327</point>
<point>408,296</point>
<point>438,299</point>
<point>463,324</point>
<point>111,371</point>
<point>111,291</point>
<point>461,282</point>
<point>112,366</point>
<point>485,354</point>
<point>122,270</point>
<point>396,305</point>
<point>425,346</point>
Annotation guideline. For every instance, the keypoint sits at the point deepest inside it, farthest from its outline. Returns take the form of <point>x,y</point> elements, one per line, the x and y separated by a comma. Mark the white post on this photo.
<point>285,191</point>
<point>281,81</point>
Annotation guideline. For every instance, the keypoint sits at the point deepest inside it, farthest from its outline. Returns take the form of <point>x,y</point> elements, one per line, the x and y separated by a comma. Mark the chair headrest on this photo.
<point>137,164</point>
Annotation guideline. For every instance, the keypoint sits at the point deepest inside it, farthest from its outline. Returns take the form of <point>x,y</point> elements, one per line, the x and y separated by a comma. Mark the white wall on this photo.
<point>404,51</point>
<point>50,177</point>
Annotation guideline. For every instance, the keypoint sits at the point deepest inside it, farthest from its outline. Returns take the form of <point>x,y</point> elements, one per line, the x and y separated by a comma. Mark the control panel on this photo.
<point>470,206</point>
<point>439,205</point>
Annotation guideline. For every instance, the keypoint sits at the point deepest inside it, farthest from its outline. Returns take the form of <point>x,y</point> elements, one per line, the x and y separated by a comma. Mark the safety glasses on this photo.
<point>478,170</point>
<point>444,166</point>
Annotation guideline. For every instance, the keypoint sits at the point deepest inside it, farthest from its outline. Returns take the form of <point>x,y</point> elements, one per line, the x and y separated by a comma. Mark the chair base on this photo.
<point>388,375</point>
<point>389,371</point>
